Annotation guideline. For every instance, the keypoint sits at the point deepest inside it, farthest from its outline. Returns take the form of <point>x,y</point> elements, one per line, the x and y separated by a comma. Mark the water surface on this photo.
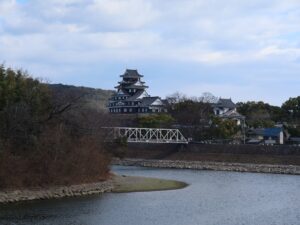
<point>212,198</point>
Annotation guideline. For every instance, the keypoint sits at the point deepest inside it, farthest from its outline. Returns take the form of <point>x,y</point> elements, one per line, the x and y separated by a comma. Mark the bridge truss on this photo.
<point>147,135</point>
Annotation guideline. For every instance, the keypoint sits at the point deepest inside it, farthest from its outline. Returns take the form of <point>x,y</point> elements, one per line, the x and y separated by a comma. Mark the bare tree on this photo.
<point>208,97</point>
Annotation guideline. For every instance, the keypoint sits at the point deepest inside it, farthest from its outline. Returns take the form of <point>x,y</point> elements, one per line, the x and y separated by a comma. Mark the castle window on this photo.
<point>125,110</point>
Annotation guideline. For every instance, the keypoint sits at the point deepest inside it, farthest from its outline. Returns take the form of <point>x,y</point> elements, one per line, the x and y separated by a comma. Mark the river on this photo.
<point>212,198</point>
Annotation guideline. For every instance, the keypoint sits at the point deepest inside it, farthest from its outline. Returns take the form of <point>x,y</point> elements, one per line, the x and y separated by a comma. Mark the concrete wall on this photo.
<point>220,148</point>
<point>197,165</point>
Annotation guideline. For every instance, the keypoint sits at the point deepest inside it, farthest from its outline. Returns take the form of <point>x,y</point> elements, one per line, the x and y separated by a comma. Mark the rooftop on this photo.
<point>232,114</point>
<point>131,74</point>
<point>268,132</point>
<point>146,101</point>
<point>225,103</point>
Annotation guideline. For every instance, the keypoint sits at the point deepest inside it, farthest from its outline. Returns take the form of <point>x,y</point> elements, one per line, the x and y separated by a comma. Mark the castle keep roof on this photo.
<point>131,74</point>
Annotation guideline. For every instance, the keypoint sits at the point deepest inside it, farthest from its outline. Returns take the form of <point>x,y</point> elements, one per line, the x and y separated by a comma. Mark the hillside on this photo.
<point>92,97</point>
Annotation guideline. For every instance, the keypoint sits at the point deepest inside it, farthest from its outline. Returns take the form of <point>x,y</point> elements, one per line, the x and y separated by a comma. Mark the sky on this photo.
<point>239,49</point>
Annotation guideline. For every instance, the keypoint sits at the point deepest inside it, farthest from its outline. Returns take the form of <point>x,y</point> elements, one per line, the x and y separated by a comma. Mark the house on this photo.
<point>226,109</point>
<point>131,96</point>
<point>267,136</point>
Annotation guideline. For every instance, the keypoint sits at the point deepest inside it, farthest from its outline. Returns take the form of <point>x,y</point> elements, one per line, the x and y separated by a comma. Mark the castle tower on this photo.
<point>132,97</point>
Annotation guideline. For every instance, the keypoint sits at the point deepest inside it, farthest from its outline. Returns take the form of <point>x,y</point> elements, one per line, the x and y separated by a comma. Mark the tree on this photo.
<point>223,129</point>
<point>260,114</point>
<point>47,139</point>
<point>190,115</point>
<point>176,98</point>
<point>208,97</point>
<point>24,103</point>
<point>292,108</point>
<point>190,112</point>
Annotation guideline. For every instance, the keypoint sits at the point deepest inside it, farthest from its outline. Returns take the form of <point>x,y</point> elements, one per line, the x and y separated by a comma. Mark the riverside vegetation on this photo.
<point>47,137</point>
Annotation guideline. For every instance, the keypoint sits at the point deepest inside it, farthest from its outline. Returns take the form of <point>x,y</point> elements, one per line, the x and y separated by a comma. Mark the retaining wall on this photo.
<point>221,148</point>
<point>200,165</point>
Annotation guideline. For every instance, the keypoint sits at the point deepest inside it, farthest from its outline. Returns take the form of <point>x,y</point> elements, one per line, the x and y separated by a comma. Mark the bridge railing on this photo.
<point>147,135</point>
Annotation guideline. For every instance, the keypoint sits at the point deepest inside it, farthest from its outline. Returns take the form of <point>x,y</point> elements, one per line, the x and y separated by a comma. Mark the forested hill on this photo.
<point>92,97</point>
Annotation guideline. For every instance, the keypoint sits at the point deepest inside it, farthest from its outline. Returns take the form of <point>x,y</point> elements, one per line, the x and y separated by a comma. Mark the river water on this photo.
<point>212,198</point>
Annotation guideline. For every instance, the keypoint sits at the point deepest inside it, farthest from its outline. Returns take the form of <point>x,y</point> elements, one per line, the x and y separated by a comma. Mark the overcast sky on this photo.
<point>246,50</point>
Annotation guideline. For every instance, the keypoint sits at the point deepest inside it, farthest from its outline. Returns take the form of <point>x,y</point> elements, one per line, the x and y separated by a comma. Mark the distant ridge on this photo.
<point>91,97</point>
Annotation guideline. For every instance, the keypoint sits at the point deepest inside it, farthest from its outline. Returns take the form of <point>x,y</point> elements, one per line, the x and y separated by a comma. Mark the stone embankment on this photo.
<point>220,166</point>
<point>56,192</point>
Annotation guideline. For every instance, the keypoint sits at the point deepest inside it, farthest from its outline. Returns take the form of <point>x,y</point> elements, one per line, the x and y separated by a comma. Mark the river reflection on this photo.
<point>212,198</point>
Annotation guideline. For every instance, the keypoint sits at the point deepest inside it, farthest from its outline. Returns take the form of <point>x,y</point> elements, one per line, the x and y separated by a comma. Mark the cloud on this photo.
<point>199,31</point>
<point>72,35</point>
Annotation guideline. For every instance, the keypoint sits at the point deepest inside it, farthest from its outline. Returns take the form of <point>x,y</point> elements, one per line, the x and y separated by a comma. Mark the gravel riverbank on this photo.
<point>10,196</point>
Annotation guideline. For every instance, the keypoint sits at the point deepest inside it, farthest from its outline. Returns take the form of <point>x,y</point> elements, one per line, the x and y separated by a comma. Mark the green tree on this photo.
<point>292,108</point>
<point>24,103</point>
<point>156,121</point>
<point>292,114</point>
<point>260,114</point>
<point>223,129</point>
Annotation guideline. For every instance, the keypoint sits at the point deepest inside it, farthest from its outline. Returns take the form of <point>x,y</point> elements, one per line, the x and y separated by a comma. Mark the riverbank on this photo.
<point>10,196</point>
<point>206,165</point>
<point>116,184</point>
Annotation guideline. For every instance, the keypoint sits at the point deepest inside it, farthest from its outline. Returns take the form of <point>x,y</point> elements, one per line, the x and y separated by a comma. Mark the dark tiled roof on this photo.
<point>131,74</point>
<point>136,95</point>
<point>146,101</point>
<point>225,103</point>
<point>232,114</point>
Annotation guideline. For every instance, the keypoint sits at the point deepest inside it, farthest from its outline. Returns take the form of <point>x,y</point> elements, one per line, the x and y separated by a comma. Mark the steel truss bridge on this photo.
<point>147,135</point>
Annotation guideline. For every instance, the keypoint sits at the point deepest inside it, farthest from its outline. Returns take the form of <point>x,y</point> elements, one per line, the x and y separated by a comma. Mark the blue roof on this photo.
<point>272,132</point>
